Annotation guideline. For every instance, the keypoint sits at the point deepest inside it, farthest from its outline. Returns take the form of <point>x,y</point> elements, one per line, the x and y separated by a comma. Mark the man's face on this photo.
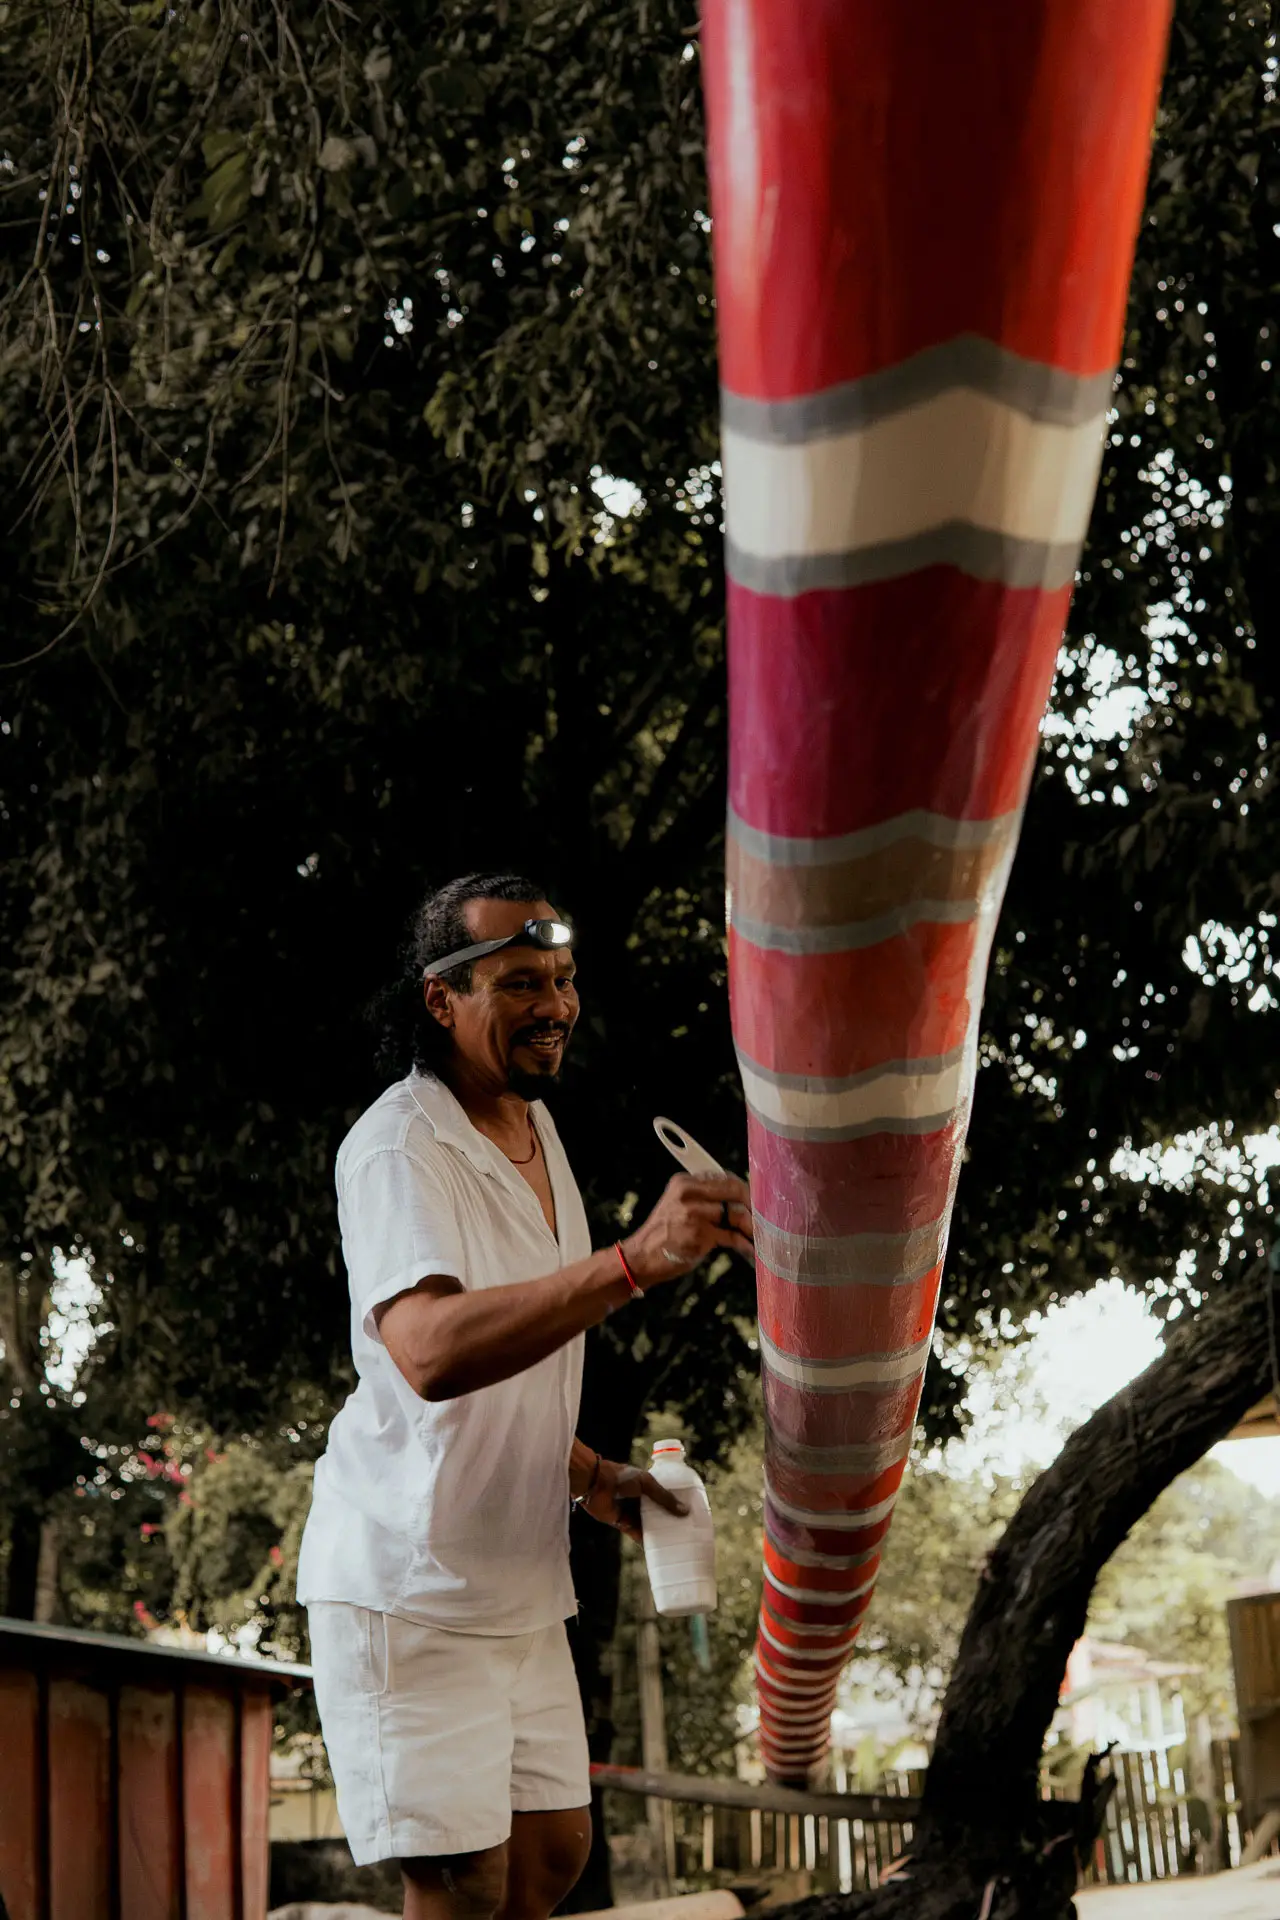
<point>514,1025</point>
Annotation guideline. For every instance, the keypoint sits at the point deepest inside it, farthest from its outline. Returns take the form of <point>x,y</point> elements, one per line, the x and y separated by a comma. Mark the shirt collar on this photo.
<point>447,1118</point>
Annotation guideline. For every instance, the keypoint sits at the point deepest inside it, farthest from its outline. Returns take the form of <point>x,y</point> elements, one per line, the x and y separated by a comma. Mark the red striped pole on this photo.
<point>924,222</point>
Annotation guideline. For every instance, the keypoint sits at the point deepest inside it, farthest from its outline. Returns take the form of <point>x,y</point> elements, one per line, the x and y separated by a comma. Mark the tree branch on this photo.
<point>676,758</point>
<point>986,1843</point>
<point>1034,1595</point>
<point>13,1329</point>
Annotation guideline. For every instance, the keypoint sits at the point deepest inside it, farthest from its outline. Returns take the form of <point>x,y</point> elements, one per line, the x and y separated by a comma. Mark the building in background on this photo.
<point>1115,1695</point>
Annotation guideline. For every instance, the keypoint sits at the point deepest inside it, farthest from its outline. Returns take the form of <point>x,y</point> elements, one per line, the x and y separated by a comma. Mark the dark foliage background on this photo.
<point>326,341</point>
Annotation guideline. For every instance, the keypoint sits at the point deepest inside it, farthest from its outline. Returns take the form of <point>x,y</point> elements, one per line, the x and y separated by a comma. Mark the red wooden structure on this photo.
<point>133,1778</point>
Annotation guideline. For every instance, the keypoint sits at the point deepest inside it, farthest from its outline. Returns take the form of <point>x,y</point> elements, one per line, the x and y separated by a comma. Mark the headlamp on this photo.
<point>545,934</point>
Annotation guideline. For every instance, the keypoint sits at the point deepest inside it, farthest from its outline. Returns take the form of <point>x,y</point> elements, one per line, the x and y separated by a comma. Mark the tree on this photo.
<point>1129,998</point>
<point>377,305</point>
<point>1167,1587</point>
<point>984,1830</point>
<point>287,637</point>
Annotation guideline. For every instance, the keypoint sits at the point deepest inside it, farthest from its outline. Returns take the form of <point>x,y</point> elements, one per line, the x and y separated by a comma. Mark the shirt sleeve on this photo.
<point>397,1229</point>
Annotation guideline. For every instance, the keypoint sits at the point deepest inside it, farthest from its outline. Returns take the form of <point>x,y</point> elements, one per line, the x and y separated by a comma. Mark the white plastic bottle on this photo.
<point>679,1549</point>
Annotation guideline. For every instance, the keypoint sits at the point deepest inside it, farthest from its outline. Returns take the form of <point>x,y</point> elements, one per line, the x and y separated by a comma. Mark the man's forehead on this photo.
<point>494,919</point>
<point>502,965</point>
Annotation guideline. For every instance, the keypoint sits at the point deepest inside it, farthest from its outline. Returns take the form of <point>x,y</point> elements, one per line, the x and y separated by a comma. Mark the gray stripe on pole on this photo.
<point>880,1123</point>
<point>854,934</point>
<point>856,1259</point>
<point>872,1457</point>
<point>850,1390</point>
<point>923,1068</point>
<point>897,1366</point>
<point>810,1557</point>
<point>935,829</point>
<point>1043,393</point>
<point>979,552</point>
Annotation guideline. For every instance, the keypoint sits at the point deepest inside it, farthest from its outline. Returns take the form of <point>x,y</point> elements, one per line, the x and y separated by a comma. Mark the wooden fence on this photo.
<point>1158,1826</point>
<point>1156,1829</point>
<point>133,1778</point>
<point>731,1829</point>
<point>837,1854</point>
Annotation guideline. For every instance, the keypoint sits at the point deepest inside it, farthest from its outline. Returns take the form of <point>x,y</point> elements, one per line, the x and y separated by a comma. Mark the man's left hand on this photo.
<point>615,1498</point>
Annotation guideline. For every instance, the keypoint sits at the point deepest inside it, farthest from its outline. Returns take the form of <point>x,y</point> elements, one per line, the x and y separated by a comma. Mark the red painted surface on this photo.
<point>960,181</point>
<point>149,1813</point>
<point>825,711</point>
<point>79,1802</point>
<point>20,1864</point>
<point>189,1737</point>
<point>908,174</point>
<point>211,1803</point>
<point>791,1010</point>
<point>256,1732</point>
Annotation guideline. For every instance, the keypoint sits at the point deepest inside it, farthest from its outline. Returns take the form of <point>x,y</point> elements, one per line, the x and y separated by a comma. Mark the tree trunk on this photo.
<point>24,1564</point>
<point>597,1565</point>
<point>986,1843</point>
<point>613,1400</point>
<point>45,1608</point>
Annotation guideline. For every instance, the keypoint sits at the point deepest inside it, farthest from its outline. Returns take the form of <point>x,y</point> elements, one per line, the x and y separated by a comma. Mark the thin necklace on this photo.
<point>533,1144</point>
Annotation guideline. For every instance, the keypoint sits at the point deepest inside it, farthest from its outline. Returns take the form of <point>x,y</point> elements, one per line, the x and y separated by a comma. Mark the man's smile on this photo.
<point>546,1040</point>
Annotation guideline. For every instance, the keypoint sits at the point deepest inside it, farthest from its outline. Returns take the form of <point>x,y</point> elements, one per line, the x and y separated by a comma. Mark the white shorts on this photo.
<point>435,1738</point>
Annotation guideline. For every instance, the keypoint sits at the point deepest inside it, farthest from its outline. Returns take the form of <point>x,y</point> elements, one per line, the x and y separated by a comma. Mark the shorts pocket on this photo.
<point>376,1650</point>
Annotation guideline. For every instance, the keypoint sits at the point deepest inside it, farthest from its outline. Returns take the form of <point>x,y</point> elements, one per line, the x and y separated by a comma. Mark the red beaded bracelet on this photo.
<point>628,1276</point>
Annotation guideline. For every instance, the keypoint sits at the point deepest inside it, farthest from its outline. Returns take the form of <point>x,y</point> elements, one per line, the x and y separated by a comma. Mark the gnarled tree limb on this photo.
<point>985,1838</point>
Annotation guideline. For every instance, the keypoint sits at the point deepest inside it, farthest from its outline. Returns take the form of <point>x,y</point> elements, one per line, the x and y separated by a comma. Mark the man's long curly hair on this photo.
<point>407,1034</point>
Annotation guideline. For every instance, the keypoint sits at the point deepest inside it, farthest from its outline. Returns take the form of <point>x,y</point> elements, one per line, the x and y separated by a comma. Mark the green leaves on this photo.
<point>225,194</point>
<point>220,147</point>
<point>1146,825</point>
<point>334,655</point>
<point>323,390</point>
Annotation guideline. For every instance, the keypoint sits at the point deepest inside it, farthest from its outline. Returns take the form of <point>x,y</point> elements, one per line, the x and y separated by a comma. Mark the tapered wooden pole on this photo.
<point>924,220</point>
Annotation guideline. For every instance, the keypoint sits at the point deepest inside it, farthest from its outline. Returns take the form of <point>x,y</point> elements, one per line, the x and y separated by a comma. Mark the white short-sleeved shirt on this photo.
<point>454,1513</point>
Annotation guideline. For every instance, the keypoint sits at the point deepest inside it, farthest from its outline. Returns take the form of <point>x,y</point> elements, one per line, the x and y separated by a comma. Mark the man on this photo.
<point>435,1560</point>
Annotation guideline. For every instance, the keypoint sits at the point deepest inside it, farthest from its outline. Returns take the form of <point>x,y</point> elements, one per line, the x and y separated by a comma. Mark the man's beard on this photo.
<point>533,1086</point>
<point>536,1086</point>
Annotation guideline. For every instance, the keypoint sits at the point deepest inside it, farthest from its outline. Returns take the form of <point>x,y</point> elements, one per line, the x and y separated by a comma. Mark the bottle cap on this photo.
<point>667,1446</point>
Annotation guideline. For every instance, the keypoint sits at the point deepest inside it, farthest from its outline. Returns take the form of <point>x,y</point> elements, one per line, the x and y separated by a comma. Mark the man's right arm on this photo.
<point>448,1341</point>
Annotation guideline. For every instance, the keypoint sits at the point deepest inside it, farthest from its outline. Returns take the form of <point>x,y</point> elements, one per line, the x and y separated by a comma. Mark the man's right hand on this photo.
<point>448,1340</point>
<point>697,1215</point>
